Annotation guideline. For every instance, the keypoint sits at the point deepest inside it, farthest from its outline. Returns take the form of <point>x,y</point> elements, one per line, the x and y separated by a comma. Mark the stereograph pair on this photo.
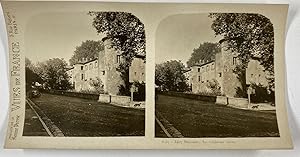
<point>102,75</point>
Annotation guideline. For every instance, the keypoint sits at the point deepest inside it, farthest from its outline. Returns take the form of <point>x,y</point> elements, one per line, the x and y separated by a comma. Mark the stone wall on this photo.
<point>113,79</point>
<point>137,70</point>
<point>104,98</point>
<point>115,99</point>
<point>201,75</point>
<point>120,100</point>
<point>230,81</point>
<point>256,74</point>
<point>235,102</point>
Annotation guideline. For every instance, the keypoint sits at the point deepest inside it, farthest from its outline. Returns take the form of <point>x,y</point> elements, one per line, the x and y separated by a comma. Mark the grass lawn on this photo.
<point>83,117</point>
<point>205,119</point>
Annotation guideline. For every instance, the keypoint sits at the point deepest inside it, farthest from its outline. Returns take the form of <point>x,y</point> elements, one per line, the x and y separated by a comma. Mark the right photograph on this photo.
<point>214,76</point>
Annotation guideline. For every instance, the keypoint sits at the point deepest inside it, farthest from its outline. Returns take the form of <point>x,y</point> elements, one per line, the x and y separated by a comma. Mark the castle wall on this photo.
<point>231,83</point>
<point>201,76</point>
<point>113,79</point>
<point>219,71</point>
<point>105,68</point>
<point>83,74</point>
<point>255,73</point>
<point>101,69</point>
<point>137,70</point>
<point>79,83</point>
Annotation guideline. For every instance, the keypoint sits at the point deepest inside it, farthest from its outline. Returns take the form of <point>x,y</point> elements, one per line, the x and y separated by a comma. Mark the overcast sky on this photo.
<point>55,34</point>
<point>178,35</point>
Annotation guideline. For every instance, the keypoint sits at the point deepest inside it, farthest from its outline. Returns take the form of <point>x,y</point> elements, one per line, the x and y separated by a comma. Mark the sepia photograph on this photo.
<point>214,76</point>
<point>85,74</point>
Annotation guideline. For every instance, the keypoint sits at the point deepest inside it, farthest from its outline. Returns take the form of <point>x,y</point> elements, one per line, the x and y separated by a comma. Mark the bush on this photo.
<point>140,94</point>
<point>97,85</point>
<point>214,88</point>
<point>262,94</point>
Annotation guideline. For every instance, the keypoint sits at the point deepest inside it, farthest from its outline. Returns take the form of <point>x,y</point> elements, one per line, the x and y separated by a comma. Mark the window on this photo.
<point>207,68</point>
<point>96,64</point>
<point>142,74</point>
<point>199,78</point>
<point>103,72</point>
<point>118,58</point>
<point>82,76</point>
<point>234,61</point>
<point>86,67</point>
<point>198,69</point>
<point>220,74</point>
<point>212,66</point>
<point>81,67</point>
<point>135,73</point>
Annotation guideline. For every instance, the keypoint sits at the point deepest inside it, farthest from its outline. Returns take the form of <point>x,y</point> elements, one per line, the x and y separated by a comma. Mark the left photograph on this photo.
<point>85,74</point>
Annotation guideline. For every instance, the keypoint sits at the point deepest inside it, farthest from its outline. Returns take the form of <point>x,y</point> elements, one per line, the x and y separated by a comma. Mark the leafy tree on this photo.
<point>53,74</point>
<point>88,49</point>
<point>97,84</point>
<point>204,52</point>
<point>170,76</point>
<point>127,35</point>
<point>250,35</point>
<point>214,87</point>
<point>30,76</point>
<point>125,30</point>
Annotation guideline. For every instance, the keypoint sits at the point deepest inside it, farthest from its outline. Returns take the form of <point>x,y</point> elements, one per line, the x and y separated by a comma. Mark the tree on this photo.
<point>97,84</point>
<point>124,29</point>
<point>250,35</point>
<point>88,49</point>
<point>204,52</point>
<point>53,74</point>
<point>214,87</point>
<point>127,35</point>
<point>170,76</point>
<point>30,76</point>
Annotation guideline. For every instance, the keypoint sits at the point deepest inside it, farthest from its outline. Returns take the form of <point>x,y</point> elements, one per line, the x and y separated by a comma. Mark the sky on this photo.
<point>178,35</point>
<point>55,35</point>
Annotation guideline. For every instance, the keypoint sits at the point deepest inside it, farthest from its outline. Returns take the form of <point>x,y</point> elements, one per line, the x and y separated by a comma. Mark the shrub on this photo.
<point>97,85</point>
<point>139,95</point>
<point>214,88</point>
<point>262,94</point>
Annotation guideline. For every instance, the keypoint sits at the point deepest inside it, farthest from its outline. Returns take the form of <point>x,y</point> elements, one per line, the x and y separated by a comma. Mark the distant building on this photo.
<point>105,67</point>
<point>220,69</point>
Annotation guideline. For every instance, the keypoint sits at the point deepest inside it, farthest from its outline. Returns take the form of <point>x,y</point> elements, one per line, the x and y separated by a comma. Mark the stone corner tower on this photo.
<point>109,61</point>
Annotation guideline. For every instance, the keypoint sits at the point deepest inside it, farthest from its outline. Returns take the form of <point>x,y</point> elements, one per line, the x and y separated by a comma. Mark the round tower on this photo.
<point>109,61</point>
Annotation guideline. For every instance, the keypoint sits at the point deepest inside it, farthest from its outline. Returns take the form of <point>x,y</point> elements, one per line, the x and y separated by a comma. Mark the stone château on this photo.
<point>105,68</point>
<point>220,70</point>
